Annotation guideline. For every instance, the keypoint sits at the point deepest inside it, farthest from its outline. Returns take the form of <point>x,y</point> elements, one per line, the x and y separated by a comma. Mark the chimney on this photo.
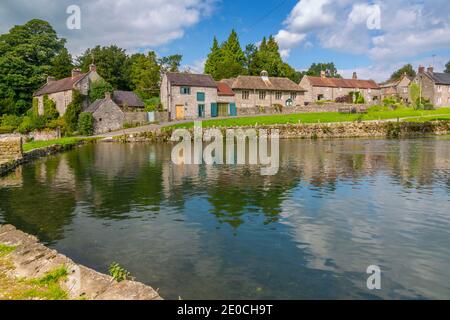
<point>421,69</point>
<point>430,69</point>
<point>108,95</point>
<point>265,75</point>
<point>323,74</point>
<point>355,76</point>
<point>50,79</point>
<point>76,72</point>
<point>92,67</point>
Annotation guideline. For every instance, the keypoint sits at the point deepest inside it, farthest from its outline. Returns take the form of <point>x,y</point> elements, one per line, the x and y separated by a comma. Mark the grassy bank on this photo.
<point>44,288</point>
<point>42,144</point>
<point>323,117</point>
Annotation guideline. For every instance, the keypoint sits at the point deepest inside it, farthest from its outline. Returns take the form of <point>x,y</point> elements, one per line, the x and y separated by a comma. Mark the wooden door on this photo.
<point>179,114</point>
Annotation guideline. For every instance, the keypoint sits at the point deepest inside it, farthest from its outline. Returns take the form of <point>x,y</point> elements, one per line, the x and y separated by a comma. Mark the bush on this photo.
<point>98,90</point>
<point>58,123</point>
<point>6,129</point>
<point>50,112</point>
<point>73,111</point>
<point>10,120</point>
<point>152,104</point>
<point>86,124</point>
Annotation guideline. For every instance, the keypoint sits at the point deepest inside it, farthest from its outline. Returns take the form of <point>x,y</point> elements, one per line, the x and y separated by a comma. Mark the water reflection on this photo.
<point>334,208</point>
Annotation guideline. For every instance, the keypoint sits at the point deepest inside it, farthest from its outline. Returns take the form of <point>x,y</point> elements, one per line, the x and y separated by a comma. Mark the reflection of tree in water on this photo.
<point>40,207</point>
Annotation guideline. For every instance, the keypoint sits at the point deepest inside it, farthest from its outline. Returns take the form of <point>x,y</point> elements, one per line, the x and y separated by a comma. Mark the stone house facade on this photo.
<point>61,91</point>
<point>398,88</point>
<point>434,86</point>
<point>188,96</point>
<point>264,92</point>
<point>329,89</point>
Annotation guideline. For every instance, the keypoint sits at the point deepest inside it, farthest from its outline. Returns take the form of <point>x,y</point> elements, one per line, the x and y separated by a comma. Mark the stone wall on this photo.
<point>10,148</point>
<point>161,116</point>
<point>136,117</point>
<point>45,135</point>
<point>327,107</point>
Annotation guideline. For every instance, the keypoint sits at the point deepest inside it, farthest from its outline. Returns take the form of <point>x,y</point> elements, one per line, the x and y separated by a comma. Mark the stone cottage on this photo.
<point>107,115</point>
<point>254,93</point>
<point>188,96</point>
<point>61,91</point>
<point>435,86</point>
<point>329,89</point>
<point>116,110</point>
<point>397,88</point>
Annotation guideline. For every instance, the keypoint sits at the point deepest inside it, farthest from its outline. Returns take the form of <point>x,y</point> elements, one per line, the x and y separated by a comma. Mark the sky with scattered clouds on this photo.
<point>370,37</point>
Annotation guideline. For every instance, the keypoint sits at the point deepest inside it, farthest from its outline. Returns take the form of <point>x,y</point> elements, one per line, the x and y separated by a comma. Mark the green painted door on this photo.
<point>201,110</point>
<point>233,110</point>
<point>223,110</point>
<point>214,110</point>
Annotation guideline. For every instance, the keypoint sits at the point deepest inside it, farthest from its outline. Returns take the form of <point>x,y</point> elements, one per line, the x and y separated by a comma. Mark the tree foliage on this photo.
<point>145,74</point>
<point>86,124</point>
<point>73,111</point>
<point>170,63</point>
<point>447,67</point>
<point>98,90</point>
<point>316,68</point>
<point>27,53</point>
<point>406,69</point>
<point>62,65</point>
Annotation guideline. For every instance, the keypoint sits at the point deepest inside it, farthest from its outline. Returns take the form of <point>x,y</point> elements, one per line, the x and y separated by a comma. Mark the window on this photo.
<point>245,95</point>
<point>185,90</point>
<point>262,95</point>
<point>340,89</point>
<point>449,89</point>
<point>439,88</point>
<point>405,90</point>
<point>370,90</point>
<point>448,100</point>
<point>200,96</point>
<point>278,95</point>
<point>439,100</point>
<point>293,95</point>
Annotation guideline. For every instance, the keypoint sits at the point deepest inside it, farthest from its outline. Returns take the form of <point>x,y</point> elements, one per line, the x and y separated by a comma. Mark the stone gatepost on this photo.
<point>10,148</point>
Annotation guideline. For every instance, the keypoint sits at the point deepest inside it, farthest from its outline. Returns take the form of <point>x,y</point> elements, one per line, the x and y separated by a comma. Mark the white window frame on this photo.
<point>245,95</point>
<point>262,95</point>
<point>278,95</point>
<point>439,88</point>
<point>293,95</point>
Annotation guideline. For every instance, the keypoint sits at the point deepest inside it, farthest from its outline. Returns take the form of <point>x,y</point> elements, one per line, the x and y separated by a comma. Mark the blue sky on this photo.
<point>372,37</point>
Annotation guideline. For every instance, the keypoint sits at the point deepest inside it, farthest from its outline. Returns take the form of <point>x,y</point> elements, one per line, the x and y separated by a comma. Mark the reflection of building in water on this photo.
<point>14,179</point>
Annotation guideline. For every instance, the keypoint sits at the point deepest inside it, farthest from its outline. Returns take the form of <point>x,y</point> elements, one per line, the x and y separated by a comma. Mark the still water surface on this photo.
<point>206,232</point>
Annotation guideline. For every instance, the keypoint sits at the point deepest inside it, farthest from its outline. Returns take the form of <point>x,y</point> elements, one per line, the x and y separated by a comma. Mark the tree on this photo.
<point>232,59</point>
<point>86,124</point>
<point>112,64</point>
<point>73,111</point>
<point>62,65</point>
<point>98,90</point>
<point>145,74</point>
<point>26,55</point>
<point>50,112</point>
<point>170,63</point>
<point>447,67</point>
<point>213,60</point>
<point>406,69</point>
<point>414,94</point>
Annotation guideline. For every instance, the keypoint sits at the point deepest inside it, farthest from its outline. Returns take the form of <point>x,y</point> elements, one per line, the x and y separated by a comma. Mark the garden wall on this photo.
<point>10,148</point>
<point>136,117</point>
<point>326,107</point>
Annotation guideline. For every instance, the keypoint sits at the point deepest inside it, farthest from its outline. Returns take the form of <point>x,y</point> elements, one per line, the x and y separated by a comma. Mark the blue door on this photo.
<point>214,110</point>
<point>233,110</point>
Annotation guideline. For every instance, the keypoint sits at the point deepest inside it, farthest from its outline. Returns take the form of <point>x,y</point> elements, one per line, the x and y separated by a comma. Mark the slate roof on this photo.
<point>95,105</point>
<point>127,98</point>
<point>342,83</point>
<point>257,83</point>
<point>440,78</point>
<point>191,80</point>
<point>223,89</point>
<point>59,85</point>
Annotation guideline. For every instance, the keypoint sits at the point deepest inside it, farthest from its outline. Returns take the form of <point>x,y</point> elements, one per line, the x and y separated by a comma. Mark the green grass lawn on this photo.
<point>41,144</point>
<point>322,117</point>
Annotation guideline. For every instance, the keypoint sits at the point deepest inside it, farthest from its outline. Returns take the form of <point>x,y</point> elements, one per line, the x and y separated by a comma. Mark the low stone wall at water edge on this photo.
<point>31,260</point>
<point>326,107</point>
<point>10,148</point>
<point>367,129</point>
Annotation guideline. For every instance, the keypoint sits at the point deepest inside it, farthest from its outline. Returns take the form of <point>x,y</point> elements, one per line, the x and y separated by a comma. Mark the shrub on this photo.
<point>86,124</point>
<point>6,129</point>
<point>50,112</point>
<point>10,120</point>
<point>73,111</point>
<point>152,104</point>
<point>98,90</point>
<point>356,97</point>
<point>58,123</point>
<point>118,273</point>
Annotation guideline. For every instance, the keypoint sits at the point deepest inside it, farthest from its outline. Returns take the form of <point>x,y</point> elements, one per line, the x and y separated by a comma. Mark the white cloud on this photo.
<point>198,66</point>
<point>406,29</point>
<point>127,23</point>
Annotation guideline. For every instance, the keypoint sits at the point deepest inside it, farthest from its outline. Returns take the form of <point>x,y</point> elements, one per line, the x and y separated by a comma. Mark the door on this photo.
<point>233,110</point>
<point>214,111</point>
<point>179,114</point>
<point>223,110</point>
<point>201,110</point>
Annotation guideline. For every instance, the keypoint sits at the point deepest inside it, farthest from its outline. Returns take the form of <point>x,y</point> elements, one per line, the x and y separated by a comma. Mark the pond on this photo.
<point>335,208</point>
